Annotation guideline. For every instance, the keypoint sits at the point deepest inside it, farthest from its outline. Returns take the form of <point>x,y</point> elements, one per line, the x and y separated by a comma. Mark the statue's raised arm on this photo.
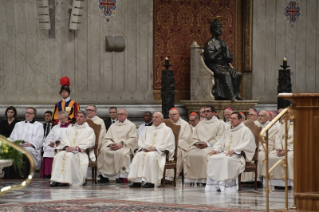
<point>217,58</point>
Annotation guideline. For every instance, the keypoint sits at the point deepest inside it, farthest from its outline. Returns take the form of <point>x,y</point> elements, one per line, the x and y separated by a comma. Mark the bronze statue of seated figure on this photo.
<point>218,58</point>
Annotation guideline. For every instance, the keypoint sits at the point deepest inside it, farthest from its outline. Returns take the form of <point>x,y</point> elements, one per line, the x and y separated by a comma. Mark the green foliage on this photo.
<point>8,152</point>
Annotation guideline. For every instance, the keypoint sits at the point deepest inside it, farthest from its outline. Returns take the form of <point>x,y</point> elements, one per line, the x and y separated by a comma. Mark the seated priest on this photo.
<point>279,153</point>
<point>227,113</point>
<point>148,164</point>
<point>71,163</point>
<point>193,120</point>
<point>253,115</point>
<point>226,161</point>
<point>263,121</point>
<point>91,111</point>
<point>31,133</point>
<point>147,117</point>
<point>205,135</point>
<point>52,141</point>
<point>118,144</point>
<point>184,141</point>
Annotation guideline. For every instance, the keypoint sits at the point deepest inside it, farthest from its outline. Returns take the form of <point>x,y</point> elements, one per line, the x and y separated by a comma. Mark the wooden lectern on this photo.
<point>306,149</point>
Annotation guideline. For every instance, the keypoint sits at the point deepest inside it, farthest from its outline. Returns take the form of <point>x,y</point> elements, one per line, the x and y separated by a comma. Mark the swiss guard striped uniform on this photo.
<point>72,109</point>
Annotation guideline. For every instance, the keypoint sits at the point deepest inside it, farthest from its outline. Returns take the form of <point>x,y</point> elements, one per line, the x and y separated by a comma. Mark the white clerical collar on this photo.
<point>123,121</point>
<point>92,117</point>
<point>179,120</point>
<point>265,124</point>
<point>67,99</point>
<point>210,119</point>
<point>82,125</point>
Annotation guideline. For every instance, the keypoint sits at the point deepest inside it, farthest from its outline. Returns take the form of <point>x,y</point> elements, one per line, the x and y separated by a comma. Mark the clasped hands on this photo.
<point>281,152</point>
<point>201,145</point>
<point>116,146</point>
<point>71,149</point>
<point>57,144</point>
<point>230,153</point>
<point>149,150</point>
<point>26,144</point>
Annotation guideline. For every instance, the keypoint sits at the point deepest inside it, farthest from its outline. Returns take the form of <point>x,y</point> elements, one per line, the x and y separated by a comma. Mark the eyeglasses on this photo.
<point>90,110</point>
<point>252,115</point>
<point>173,114</point>
<point>121,114</point>
<point>63,118</point>
<point>192,120</point>
<point>207,111</point>
<point>29,113</point>
<point>112,112</point>
<point>262,115</point>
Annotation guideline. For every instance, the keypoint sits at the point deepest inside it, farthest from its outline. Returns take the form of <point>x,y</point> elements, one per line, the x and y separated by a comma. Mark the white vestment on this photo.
<point>272,134</point>
<point>115,163</point>
<point>257,123</point>
<point>194,164</point>
<point>33,133</point>
<point>184,144</point>
<point>99,121</point>
<point>278,171</point>
<point>149,166</point>
<point>56,134</point>
<point>141,129</point>
<point>224,168</point>
<point>71,167</point>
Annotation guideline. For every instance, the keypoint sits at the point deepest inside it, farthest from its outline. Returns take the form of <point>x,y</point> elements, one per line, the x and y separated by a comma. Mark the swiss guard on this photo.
<point>66,104</point>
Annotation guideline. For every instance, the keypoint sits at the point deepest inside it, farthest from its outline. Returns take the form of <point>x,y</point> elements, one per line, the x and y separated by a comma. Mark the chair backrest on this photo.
<point>176,129</point>
<point>97,129</point>
<point>255,130</point>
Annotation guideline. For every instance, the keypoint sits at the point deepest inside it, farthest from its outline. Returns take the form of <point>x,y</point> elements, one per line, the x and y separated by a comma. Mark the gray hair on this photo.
<point>83,112</point>
<point>267,114</point>
<point>63,113</point>
<point>161,114</point>
<point>92,105</point>
<point>124,110</point>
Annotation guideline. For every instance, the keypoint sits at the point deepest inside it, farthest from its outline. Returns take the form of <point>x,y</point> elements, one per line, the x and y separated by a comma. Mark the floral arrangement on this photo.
<point>8,152</point>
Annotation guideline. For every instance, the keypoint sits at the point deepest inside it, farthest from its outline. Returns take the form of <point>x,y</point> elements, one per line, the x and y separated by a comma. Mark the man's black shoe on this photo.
<point>259,184</point>
<point>103,180</point>
<point>63,184</point>
<point>119,180</point>
<point>148,185</point>
<point>54,184</point>
<point>135,185</point>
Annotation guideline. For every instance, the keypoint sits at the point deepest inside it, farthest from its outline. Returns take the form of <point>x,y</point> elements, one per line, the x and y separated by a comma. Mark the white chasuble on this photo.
<point>184,144</point>
<point>272,134</point>
<point>280,144</point>
<point>31,132</point>
<point>221,167</point>
<point>194,164</point>
<point>56,134</point>
<point>149,166</point>
<point>71,167</point>
<point>114,162</point>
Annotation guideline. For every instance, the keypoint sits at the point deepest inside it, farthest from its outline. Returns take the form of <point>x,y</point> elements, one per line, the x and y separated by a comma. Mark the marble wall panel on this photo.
<point>274,38</point>
<point>33,60</point>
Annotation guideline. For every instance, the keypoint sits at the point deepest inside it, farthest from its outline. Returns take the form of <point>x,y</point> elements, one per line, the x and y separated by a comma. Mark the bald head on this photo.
<point>157,118</point>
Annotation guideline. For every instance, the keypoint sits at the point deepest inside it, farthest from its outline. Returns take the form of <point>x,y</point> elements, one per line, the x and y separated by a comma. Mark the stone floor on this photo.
<point>248,198</point>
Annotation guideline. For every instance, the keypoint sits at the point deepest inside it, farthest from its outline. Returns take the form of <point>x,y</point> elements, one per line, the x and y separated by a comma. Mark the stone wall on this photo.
<point>274,39</point>
<point>32,60</point>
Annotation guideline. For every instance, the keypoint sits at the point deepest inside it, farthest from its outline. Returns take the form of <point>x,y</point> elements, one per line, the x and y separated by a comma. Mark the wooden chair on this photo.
<point>251,166</point>
<point>92,164</point>
<point>171,164</point>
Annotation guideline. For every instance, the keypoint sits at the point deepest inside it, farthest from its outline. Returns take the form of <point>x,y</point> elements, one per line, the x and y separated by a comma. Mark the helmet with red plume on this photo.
<point>65,84</point>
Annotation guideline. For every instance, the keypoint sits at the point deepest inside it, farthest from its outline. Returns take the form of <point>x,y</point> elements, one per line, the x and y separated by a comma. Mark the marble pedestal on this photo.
<point>219,105</point>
